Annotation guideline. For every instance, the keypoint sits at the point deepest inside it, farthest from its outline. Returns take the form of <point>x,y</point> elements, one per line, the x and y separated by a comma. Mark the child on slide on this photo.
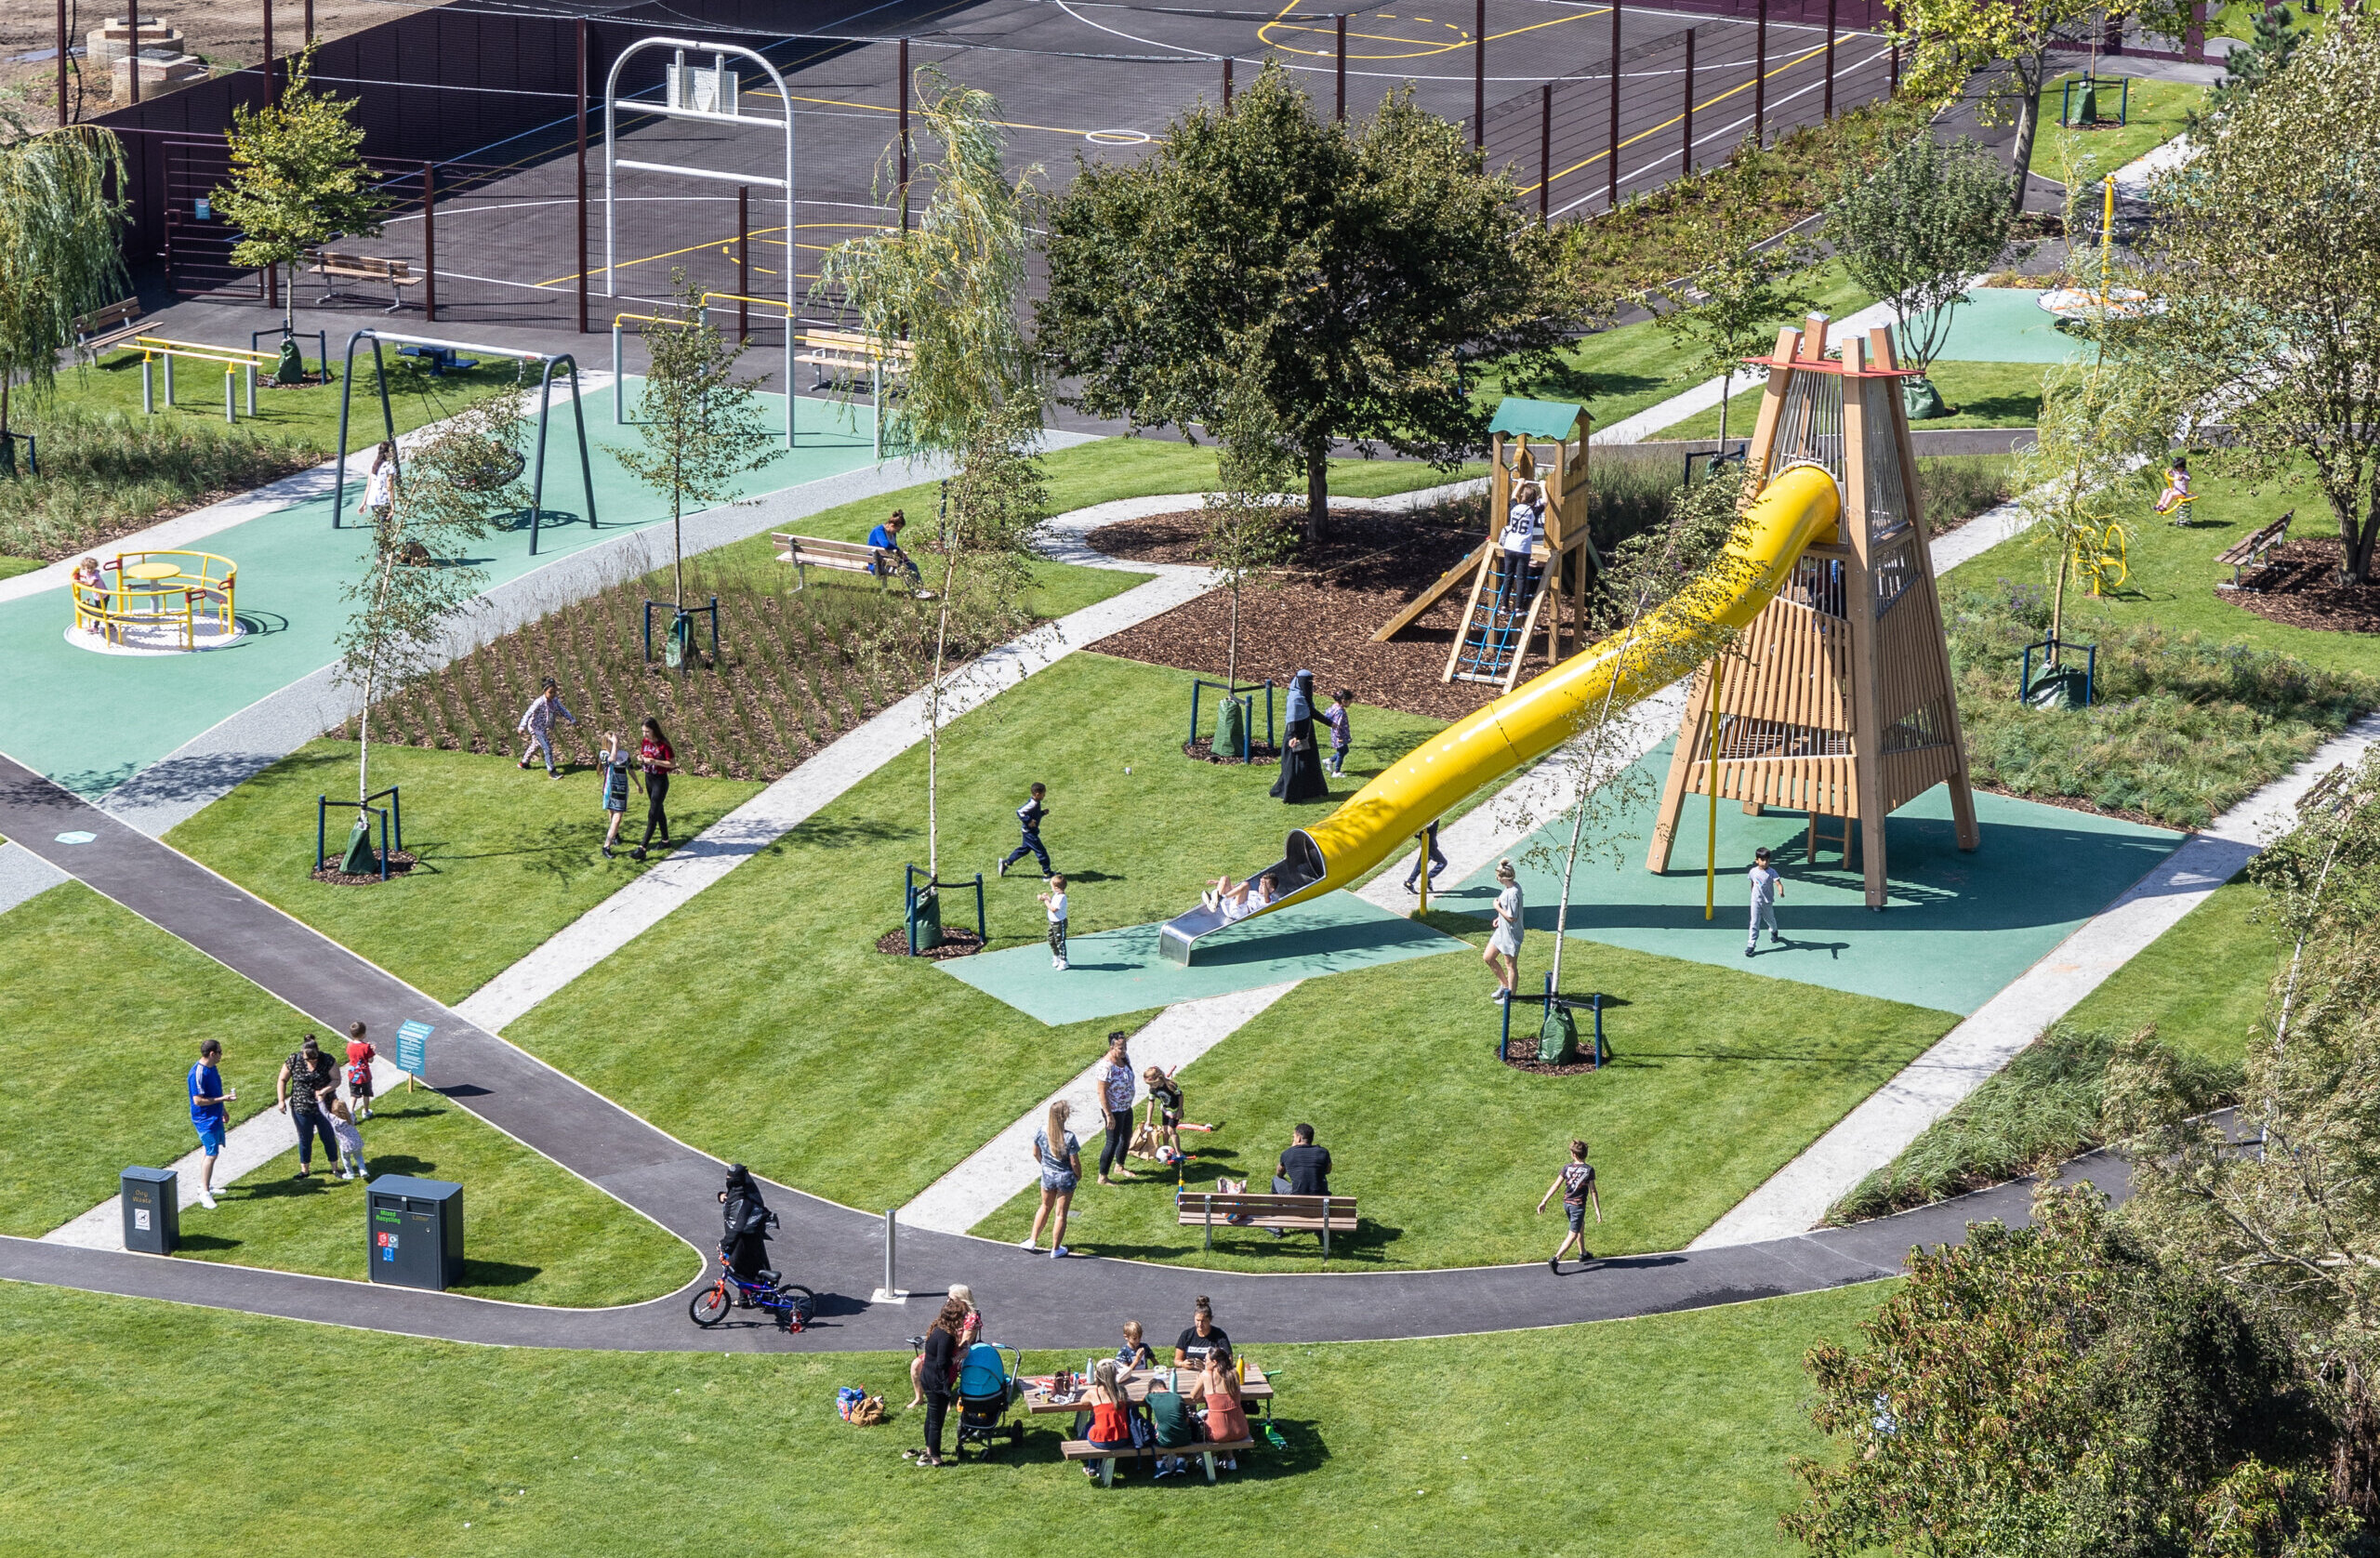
<point>1239,902</point>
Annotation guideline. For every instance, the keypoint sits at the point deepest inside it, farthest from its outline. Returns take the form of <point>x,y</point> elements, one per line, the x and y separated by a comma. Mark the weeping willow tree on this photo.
<point>943,300</point>
<point>60,228</point>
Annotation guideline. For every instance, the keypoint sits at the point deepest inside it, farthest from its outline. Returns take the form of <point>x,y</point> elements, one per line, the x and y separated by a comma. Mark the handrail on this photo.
<point>110,609</point>
<point>199,348</point>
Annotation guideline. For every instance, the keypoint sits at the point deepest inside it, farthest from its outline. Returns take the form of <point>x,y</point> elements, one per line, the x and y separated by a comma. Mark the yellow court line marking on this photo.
<point>1673,119</point>
<point>880,107</point>
<point>723,245</point>
<point>1422,49</point>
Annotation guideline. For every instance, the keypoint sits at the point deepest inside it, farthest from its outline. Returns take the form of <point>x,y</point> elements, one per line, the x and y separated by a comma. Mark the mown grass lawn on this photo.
<point>534,1233</point>
<point>308,412</point>
<point>1719,1079</point>
<point>2158,111</point>
<point>1987,395</point>
<point>2202,983</point>
<point>2174,573</point>
<point>814,1044</point>
<point>508,858</point>
<point>1664,1437</point>
<point>101,1016</point>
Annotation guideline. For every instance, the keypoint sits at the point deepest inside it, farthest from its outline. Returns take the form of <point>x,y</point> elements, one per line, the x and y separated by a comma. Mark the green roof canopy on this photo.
<point>1555,420</point>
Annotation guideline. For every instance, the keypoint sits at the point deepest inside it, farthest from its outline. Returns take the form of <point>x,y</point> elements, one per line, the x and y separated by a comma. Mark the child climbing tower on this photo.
<point>1537,551</point>
<point>1836,700</point>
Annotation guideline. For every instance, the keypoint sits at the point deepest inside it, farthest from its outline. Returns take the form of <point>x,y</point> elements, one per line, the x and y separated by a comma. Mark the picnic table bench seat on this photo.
<point>101,328</point>
<point>1325,1215</point>
<point>2251,550</point>
<point>847,355</point>
<point>1204,1449</point>
<point>806,552</point>
<point>335,266</point>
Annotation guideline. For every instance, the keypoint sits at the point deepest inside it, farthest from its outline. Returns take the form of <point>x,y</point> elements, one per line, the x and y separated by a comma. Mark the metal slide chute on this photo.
<point>1797,510</point>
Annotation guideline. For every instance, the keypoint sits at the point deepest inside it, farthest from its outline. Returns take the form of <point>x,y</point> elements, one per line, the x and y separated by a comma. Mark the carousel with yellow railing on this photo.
<point>156,602</point>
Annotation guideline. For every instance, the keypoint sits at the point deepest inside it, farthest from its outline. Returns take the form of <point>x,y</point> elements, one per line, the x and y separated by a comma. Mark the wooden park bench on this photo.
<point>1204,1449</point>
<point>1325,1215</point>
<point>846,355</point>
<point>101,328</point>
<point>2250,552</point>
<point>335,267</point>
<point>806,552</point>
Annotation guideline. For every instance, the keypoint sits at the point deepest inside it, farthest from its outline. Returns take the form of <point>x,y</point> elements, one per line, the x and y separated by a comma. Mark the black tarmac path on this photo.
<point>835,1249</point>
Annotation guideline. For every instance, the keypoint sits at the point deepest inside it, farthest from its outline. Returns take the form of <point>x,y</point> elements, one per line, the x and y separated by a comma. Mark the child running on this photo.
<point>1341,731</point>
<point>1766,890</point>
<point>619,770</point>
<point>350,1141</point>
<point>1028,826</point>
<point>537,724</point>
<point>1577,1184</point>
<point>1055,902</point>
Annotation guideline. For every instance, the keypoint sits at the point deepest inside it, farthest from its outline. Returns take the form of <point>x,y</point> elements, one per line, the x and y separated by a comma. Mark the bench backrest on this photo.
<point>852,341</point>
<point>2262,538</point>
<point>114,314</point>
<point>1244,1204</point>
<point>371,265</point>
<point>817,546</point>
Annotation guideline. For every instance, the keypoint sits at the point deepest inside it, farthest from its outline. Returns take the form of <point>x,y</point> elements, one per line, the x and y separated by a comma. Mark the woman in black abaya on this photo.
<point>1301,760</point>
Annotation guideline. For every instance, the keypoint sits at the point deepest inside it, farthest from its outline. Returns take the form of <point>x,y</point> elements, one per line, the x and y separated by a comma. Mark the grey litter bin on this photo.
<point>413,1231</point>
<point>153,1211</point>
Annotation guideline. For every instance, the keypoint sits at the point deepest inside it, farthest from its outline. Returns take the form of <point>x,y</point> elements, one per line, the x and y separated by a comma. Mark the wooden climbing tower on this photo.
<point>1540,440</point>
<point>1837,699</point>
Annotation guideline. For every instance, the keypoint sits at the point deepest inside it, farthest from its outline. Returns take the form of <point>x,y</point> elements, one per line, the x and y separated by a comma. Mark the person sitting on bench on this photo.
<point>1226,1417</point>
<point>886,539</point>
<point>2175,499</point>
<point>1111,1427</point>
<point>1239,902</point>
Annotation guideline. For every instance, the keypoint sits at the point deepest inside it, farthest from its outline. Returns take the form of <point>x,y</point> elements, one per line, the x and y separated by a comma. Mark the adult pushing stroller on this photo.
<point>988,1387</point>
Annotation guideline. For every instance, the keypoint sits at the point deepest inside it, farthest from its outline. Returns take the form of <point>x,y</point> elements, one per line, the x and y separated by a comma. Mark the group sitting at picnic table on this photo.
<point>1195,1401</point>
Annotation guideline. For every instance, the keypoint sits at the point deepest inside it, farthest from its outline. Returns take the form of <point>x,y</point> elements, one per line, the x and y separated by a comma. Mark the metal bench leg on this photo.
<point>1211,1225</point>
<point>1107,1472</point>
<point>1209,1457</point>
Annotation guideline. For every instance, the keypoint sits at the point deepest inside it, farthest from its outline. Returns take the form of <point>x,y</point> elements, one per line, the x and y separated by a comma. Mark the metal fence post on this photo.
<point>582,183</point>
<point>1478,84</point>
<point>744,269</point>
<point>1545,157</point>
<point>429,244</point>
<point>1760,75</point>
<point>1686,154</point>
<point>1611,166</point>
<point>1226,83</point>
<point>1340,69</point>
<point>1830,58</point>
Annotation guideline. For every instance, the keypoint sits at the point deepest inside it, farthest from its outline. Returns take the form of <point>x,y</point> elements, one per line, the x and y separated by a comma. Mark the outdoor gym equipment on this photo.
<point>237,364</point>
<point>687,91</point>
<point>161,600</point>
<point>1502,614</point>
<point>1844,706</point>
<point>545,409</point>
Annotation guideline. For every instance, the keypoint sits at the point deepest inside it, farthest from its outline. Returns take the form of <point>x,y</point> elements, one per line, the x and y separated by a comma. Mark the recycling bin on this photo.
<point>413,1231</point>
<point>153,1211</point>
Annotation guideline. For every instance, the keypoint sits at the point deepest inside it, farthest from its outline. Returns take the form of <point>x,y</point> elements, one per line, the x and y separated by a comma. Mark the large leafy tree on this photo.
<point>1916,228</point>
<point>1947,43</point>
<point>1375,261</point>
<point>60,256</point>
<point>2266,268</point>
<point>298,178</point>
<point>947,297</point>
<point>2054,1391</point>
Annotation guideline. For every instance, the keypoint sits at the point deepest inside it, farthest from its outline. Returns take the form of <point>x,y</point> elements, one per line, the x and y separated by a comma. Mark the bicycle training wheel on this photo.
<point>708,1307</point>
<point>801,1305</point>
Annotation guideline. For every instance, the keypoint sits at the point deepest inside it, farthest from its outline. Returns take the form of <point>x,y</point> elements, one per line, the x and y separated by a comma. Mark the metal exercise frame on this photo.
<point>613,161</point>
<point>389,417</point>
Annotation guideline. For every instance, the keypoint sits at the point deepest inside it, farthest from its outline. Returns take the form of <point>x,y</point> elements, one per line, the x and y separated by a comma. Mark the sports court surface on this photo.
<point>1957,927</point>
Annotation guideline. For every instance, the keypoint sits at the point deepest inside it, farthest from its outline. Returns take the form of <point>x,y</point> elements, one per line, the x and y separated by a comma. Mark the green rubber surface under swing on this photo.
<point>1111,972</point>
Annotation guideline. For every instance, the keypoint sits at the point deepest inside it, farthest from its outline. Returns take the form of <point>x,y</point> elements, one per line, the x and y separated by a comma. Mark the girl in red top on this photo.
<point>359,1070</point>
<point>659,762</point>
<point>1110,1429</point>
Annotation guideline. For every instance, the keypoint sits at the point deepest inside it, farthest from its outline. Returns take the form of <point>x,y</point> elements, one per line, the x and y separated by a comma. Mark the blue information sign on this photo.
<point>413,1047</point>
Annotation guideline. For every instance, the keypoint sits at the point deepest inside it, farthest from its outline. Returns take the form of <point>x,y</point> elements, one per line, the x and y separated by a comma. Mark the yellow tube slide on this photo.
<point>1797,510</point>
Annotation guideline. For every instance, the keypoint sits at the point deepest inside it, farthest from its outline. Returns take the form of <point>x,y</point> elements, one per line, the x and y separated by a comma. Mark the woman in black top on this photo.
<point>304,1076</point>
<point>1300,777</point>
<point>941,1362</point>
<point>1190,1349</point>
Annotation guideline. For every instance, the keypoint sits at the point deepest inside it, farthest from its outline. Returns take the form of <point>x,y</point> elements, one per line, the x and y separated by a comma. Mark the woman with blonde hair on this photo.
<point>1111,1423</point>
<point>1503,955</point>
<point>1058,1156</point>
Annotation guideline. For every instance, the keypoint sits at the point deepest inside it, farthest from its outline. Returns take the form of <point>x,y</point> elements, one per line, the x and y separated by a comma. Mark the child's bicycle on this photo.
<point>793,1305</point>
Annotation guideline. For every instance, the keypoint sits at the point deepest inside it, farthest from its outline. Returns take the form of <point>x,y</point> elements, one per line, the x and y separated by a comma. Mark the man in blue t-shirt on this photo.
<point>209,1113</point>
<point>886,539</point>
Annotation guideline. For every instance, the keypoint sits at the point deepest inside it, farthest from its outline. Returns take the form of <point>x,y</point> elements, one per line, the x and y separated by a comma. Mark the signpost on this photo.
<point>413,1051</point>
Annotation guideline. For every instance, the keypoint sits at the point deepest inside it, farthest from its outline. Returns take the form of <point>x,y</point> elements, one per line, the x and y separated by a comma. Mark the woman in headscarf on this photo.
<point>1301,760</point>
<point>744,1223</point>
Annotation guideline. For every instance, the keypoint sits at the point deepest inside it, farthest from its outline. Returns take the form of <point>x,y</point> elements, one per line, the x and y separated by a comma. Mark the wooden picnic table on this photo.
<point>1038,1399</point>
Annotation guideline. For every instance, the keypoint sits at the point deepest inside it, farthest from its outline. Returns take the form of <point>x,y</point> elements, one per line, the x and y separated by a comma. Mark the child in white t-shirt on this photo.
<point>1055,902</point>
<point>350,1141</point>
<point>1766,883</point>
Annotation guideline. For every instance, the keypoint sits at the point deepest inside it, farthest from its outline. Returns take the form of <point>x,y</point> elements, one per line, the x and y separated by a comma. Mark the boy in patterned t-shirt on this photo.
<point>1577,1184</point>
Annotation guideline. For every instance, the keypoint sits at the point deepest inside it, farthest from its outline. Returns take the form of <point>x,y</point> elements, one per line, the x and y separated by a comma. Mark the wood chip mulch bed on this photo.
<point>955,943</point>
<point>1318,612</point>
<point>1521,1055</point>
<point>400,862</point>
<point>2299,585</point>
<point>1259,754</point>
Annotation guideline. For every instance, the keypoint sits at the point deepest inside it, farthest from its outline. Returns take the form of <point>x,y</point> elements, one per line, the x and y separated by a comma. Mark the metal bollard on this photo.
<point>619,381</point>
<point>891,1292</point>
<point>148,386</point>
<point>230,394</point>
<point>252,388</point>
<point>169,377</point>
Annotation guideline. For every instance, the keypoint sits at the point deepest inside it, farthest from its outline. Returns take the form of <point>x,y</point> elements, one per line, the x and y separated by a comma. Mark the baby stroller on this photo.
<point>987,1389</point>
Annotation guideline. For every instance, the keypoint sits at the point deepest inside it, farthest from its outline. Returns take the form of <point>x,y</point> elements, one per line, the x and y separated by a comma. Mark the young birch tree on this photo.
<point>462,478</point>
<point>699,425</point>
<point>1248,529</point>
<point>1669,591</point>
<point>944,296</point>
<point>298,178</point>
<point>60,251</point>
